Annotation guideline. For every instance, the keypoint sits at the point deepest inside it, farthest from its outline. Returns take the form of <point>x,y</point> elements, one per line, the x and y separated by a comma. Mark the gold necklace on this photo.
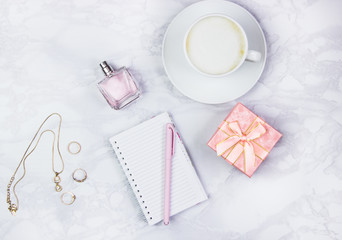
<point>14,207</point>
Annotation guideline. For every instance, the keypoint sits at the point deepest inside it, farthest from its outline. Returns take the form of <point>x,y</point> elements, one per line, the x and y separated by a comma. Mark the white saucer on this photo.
<point>205,89</point>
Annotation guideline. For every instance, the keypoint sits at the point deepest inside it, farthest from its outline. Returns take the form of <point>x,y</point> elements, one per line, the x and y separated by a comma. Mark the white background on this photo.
<point>49,56</point>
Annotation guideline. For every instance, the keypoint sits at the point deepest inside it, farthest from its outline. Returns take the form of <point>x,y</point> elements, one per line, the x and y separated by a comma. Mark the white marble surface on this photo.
<point>49,55</point>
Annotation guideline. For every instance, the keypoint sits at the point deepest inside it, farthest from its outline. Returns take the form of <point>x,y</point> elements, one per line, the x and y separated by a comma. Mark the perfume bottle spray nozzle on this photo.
<point>107,70</point>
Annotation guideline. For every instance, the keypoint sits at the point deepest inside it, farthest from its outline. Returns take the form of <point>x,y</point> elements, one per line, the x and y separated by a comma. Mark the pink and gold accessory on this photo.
<point>244,140</point>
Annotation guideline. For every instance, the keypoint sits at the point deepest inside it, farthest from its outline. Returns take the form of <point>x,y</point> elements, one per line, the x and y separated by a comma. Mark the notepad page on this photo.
<point>141,153</point>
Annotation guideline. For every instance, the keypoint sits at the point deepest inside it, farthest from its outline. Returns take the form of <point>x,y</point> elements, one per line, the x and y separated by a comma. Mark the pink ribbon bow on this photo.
<point>239,137</point>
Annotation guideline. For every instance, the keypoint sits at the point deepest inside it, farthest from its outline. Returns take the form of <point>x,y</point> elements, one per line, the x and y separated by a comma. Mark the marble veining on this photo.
<point>49,56</point>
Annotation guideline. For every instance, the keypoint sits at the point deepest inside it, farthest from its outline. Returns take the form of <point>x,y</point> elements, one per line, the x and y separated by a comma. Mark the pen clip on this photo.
<point>171,137</point>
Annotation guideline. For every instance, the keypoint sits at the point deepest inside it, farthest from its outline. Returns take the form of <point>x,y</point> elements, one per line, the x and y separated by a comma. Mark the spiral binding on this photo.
<point>133,185</point>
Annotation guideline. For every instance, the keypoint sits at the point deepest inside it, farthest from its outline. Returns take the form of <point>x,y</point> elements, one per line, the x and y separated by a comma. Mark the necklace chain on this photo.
<point>13,207</point>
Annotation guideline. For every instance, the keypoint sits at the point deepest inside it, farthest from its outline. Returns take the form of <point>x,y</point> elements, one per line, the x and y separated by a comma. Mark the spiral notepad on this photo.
<point>141,153</point>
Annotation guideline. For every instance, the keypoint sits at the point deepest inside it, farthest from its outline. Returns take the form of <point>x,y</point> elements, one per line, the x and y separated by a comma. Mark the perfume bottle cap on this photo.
<point>107,70</point>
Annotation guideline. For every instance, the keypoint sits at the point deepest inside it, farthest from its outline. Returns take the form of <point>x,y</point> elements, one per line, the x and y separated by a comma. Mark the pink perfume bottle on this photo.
<point>118,87</point>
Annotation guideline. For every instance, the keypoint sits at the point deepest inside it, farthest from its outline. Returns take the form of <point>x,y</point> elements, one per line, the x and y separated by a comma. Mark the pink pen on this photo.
<point>169,151</point>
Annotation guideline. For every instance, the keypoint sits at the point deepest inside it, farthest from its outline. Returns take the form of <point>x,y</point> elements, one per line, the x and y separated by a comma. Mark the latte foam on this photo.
<point>215,45</point>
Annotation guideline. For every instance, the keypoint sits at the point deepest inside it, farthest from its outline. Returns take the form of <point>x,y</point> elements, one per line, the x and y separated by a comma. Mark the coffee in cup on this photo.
<point>216,45</point>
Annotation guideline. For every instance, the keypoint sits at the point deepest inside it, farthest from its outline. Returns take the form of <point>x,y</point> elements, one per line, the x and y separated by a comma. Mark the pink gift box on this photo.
<point>244,140</point>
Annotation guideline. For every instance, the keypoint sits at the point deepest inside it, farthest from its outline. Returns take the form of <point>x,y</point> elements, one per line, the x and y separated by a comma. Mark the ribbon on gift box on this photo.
<point>243,138</point>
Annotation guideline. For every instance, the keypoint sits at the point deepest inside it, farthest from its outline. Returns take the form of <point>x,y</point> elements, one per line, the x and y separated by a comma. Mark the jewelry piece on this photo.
<point>71,201</point>
<point>79,171</point>
<point>14,207</point>
<point>57,180</point>
<point>72,143</point>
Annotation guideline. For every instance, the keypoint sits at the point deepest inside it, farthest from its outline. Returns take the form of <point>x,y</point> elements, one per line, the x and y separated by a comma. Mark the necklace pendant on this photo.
<point>57,180</point>
<point>13,209</point>
<point>58,187</point>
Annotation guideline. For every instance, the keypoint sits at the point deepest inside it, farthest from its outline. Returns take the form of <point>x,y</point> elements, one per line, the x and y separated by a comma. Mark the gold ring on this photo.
<point>84,175</point>
<point>78,150</point>
<point>73,197</point>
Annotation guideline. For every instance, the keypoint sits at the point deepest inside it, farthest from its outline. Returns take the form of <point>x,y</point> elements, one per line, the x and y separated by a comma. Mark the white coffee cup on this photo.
<point>216,45</point>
